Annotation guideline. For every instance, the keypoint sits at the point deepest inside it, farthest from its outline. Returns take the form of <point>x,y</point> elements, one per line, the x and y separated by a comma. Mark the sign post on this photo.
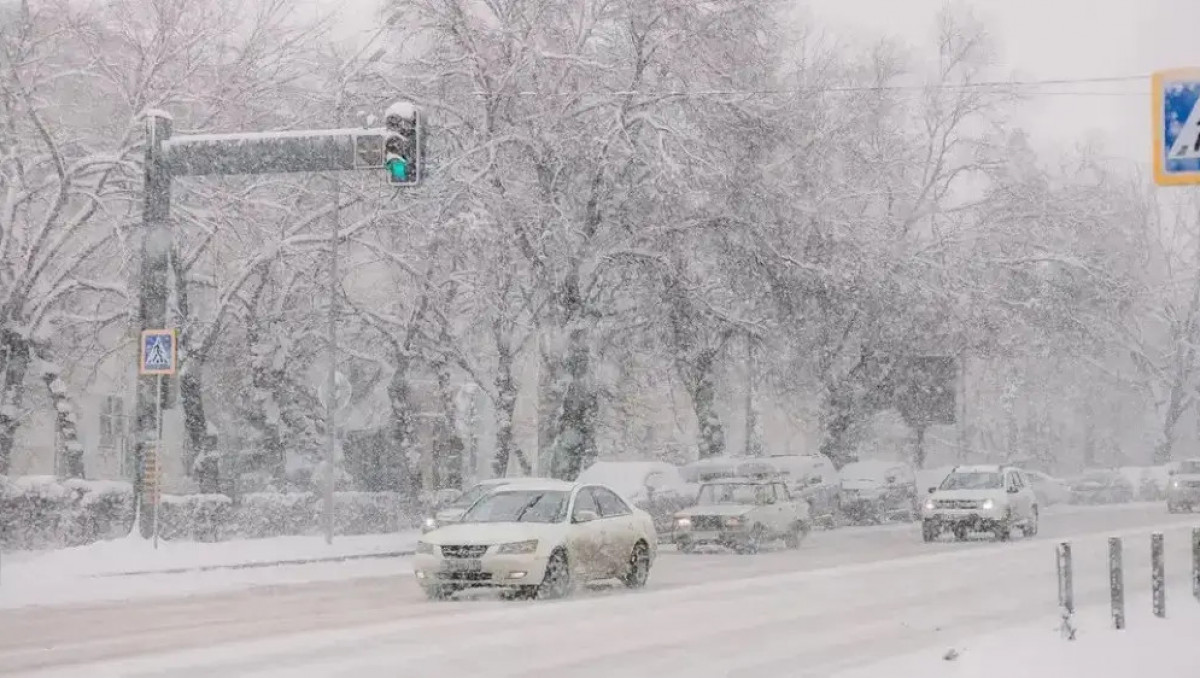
<point>159,358</point>
<point>1176,119</point>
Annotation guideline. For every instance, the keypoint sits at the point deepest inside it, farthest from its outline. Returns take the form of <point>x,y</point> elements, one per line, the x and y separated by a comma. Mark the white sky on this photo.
<point>1035,39</point>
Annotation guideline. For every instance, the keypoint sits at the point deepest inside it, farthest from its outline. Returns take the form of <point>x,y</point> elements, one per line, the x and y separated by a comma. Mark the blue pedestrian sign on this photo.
<point>159,354</point>
<point>1177,127</point>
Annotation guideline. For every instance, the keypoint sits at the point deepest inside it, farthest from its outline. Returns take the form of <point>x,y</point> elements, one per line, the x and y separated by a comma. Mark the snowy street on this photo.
<point>846,598</point>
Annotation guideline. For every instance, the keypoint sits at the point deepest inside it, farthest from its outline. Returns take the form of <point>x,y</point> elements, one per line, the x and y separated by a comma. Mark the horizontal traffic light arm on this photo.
<point>329,150</point>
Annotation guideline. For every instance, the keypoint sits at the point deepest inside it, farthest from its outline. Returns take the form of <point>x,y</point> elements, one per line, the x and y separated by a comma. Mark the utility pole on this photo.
<point>153,279</point>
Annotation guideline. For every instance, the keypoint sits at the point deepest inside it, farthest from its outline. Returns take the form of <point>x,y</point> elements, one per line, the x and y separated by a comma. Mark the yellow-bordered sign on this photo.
<point>1176,118</point>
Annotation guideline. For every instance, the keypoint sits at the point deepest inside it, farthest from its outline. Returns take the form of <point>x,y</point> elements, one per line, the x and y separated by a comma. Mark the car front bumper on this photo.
<point>490,571</point>
<point>971,519</point>
<point>1183,496</point>
<point>729,537</point>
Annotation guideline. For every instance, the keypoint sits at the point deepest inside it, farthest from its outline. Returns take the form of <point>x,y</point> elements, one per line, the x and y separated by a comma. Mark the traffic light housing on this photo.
<point>402,144</point>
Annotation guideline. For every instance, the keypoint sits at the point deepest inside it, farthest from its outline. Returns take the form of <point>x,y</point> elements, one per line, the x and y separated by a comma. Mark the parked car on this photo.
<point>1048,489</point>
<point>703,470</point>
<point>811,477</point>
<point>742,514</point>
<point>452,506</point>
<point>656,487</point>
<point>878,491</point>
<point>538,540</point>
<point>1183,491</point>
<point>1102,486</point>
<point>986,498</point>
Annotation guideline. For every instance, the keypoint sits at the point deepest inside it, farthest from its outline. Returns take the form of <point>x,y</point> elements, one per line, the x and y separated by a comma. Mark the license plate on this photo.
<point>466,565</point>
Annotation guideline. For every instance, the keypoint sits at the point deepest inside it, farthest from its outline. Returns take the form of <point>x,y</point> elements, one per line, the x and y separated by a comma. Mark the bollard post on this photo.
<point>1196,562</point>
<point>1116,582</point>
<point>1066,590</point>
<point>1157,576</point>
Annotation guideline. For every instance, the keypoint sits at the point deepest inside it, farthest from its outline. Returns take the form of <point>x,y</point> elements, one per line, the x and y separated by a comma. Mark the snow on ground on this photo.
<point>1163,648</point>
<point>791,625</point>
<point>93,572</point>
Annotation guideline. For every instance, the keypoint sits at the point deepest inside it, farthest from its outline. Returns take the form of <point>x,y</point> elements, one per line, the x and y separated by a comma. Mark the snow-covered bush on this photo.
<point>38,512</point>
<point>44,512</point>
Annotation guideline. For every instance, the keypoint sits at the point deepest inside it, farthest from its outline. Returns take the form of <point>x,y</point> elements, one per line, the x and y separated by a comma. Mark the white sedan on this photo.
<point>539,540</point>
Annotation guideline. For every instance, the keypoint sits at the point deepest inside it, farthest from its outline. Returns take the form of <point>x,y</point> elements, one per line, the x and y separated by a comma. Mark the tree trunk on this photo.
<point>506,408</point>
<point>65,421</point>
<point>16,351</point>
<point>449,453</point>
<point>919,451</point>
<point>200,452</point>
<point>701,385</point>
<point>575,442</point>
<point>838,419</point>
<point>399,453</point>
<point>550,398</point>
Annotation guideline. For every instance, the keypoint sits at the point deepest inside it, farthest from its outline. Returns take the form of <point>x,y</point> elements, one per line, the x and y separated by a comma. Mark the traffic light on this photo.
<point>402,145</point>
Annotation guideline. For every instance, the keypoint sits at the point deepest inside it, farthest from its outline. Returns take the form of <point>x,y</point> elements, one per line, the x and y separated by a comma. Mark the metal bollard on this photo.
<point>1196,562</point>
<point>1158,576</point>
<point>1066,590</point>
<point>1116,582</point>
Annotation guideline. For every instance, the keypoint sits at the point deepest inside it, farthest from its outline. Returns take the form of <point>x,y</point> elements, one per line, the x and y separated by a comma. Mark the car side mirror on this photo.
<point>1171,472</point>
<point>1012,489</point>
<point>585,516</point>
<point>932,490</point>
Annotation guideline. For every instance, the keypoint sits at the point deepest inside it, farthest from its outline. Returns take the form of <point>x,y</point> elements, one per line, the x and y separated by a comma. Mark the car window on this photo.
<point>971,480</point>
<point>520,506</point>
<point>584,501</point>
<point>610,504</point>
<point>1189,468</point>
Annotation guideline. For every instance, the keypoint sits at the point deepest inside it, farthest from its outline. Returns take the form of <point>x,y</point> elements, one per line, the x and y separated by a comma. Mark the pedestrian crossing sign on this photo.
<point>160,353</point>
<point>1176,117</point>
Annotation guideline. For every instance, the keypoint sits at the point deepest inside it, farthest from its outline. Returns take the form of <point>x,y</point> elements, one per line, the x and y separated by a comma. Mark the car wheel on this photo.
<point>754,541</point>
<point>557,581</point>
<point>1004,531</point>
<point>438,592</point>
<point>929,531</point>
<point>639,567</point>
<point>797,535</point>
<point>686,547</point>
<point>1031,528</point>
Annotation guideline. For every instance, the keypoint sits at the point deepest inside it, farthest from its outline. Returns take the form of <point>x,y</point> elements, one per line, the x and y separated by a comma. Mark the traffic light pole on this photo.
<point>330,150</point>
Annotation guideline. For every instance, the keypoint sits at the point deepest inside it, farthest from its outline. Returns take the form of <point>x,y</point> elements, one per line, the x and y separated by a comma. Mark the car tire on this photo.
<point>685,547</point>
<point>797,535</point>
<point>639,567</point>
<point>1003,531</point>
<point>1031,528</point>
<point>929,531</point>
<point>754,541</point>
<point>557,581</point>
<point>438,592</point>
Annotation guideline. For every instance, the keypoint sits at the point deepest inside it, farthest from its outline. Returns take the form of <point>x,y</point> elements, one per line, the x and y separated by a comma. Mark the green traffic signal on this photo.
<point>398,167</point>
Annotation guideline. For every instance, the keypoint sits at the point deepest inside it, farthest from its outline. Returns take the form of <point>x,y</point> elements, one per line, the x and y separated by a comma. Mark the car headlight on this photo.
<point>929,504</point>
<point>1175,484</point>
<point>683,522</point>
<point>424,547</point>
<point>429,524</point>
<point>988,505</point>
<point>518,547</point>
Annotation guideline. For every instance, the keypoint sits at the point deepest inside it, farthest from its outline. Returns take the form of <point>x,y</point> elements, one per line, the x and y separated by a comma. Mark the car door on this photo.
<point>1016,498</point>
<point>1028,496</point>
<point>786,507</point>
<point>586,540</point>
<point>620,531</point>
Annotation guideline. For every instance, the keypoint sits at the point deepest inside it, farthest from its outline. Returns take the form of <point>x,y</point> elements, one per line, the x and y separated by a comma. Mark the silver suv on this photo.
<point>1183,492</point>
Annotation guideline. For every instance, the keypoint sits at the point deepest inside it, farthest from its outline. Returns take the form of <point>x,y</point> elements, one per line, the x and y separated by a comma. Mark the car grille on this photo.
<point>465,576</point>
<point>956,503</point>
<point>460,551</point>
<point>707,522</point>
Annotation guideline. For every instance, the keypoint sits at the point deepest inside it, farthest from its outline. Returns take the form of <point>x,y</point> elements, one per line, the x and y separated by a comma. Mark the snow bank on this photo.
<point>91,572</point>
<point>1163,648</point>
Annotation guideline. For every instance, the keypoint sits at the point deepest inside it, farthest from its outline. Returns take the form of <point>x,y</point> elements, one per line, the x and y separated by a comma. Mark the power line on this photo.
<point>1009,85</point>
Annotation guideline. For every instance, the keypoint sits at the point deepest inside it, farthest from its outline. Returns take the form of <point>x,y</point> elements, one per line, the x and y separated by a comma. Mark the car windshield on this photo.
<point>519,506</point>
<point>983,480</point>
<point>733,493</point>
<point>472,495</point>
<point>1191,468</point>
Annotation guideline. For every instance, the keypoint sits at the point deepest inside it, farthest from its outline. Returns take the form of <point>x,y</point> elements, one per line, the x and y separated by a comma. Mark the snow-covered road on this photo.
<point>847,597</point>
